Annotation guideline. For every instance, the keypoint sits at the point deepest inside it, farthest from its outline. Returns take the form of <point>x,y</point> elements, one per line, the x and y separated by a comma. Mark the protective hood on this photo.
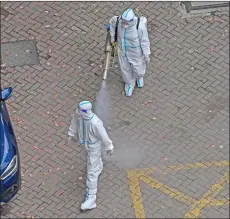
<point>85,110</point>
<point>128,15</point>
<point>128,18</point>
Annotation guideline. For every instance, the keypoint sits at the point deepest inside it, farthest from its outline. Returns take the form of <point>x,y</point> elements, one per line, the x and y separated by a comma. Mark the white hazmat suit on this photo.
<point>92,135</point>
<point>133,48</point>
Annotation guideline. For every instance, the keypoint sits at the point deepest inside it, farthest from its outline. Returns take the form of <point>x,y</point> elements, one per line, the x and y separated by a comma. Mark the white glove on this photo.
<point>70,138</point>
<point>110,152</point>
<point>147,59</point>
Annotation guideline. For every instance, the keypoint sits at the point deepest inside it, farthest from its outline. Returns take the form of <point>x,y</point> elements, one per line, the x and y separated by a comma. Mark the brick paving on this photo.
<point>181,116</point>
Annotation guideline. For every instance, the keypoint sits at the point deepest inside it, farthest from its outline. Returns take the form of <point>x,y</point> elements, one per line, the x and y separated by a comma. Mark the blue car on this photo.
<point>10,175</point>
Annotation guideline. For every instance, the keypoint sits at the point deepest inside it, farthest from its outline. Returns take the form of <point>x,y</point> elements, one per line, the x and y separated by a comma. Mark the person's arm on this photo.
<point>112,23</point>
<point>144,39</point>
<point>102,135</point>
<point>73,126</point>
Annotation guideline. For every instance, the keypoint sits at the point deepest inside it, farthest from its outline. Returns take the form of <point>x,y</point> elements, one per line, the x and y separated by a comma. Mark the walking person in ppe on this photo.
<point>131,35</point>
<point>92,135</point>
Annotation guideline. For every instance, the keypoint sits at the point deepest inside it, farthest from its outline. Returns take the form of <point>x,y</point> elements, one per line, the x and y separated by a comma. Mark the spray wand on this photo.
<point>102,98</point>
<point>109,51</point>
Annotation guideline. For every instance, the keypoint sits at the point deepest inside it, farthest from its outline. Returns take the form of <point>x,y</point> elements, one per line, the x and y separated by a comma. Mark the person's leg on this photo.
<point>127,74</point>
<point>100,166</point>
<point>94,167</point>
<point>139,69</point>
<point>140,82</point>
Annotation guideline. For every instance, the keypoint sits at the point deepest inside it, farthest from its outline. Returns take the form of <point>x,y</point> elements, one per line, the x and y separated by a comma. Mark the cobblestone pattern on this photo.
<point>180,116</point>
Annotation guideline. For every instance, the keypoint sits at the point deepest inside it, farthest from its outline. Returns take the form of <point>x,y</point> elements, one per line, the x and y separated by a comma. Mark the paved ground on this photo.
<point>171,137</point>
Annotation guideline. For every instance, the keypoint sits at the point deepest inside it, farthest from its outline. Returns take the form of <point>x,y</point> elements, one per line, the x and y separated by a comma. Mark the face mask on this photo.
<point>125,24</point>
<point>85,114</point>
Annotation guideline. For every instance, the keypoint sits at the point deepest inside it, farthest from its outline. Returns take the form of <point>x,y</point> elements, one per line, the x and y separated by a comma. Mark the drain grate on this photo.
<point>19,53</point>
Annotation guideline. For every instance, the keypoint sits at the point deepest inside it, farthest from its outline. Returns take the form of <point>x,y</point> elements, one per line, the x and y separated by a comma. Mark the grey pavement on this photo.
<point>180,117</point>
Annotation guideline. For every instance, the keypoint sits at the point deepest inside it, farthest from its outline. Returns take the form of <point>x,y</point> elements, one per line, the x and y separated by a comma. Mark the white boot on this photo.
<point>89,203</point>
<point>129,90</point>
<point>140,82</point>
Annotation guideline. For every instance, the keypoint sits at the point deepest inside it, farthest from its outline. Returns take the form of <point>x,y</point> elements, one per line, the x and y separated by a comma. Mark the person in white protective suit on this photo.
<point>92,135</point>
<point>133,48</point>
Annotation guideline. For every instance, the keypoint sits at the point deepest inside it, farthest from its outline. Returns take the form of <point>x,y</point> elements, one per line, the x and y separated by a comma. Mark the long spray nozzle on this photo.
<point>102,100</point>
<point>108,50</point>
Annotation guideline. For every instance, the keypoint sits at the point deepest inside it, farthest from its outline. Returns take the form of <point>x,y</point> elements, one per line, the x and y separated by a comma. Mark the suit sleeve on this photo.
<point>73,129</point>
<point>144,39</point>
<point>112,23</point>
<point>102,135</point>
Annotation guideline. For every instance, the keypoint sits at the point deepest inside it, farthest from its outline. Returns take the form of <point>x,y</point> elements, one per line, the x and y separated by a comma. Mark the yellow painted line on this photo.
<point>137,175</point>
<point>136,194</point>
<point>207,198</point>
<point>187,166</point>
<point>180,196</point>
<point>220,202</point>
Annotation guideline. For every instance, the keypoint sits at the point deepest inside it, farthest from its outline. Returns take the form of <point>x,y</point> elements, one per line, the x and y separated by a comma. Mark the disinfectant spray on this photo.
<point>102,100</point>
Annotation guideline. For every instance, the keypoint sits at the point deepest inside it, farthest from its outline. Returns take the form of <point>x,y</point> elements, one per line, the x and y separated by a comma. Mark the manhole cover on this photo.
<point>19,53</point>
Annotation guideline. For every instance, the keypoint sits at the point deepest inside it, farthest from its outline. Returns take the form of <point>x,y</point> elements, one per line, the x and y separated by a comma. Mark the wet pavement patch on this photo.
<point>19,53</point>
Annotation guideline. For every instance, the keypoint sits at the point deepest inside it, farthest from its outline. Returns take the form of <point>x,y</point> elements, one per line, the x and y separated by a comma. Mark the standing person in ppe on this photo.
<point>92,135</point>
<point>133,47</point>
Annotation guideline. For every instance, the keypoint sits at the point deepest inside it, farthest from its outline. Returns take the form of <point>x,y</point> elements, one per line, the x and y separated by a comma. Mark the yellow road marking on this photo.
<point>219,202</point>
<point>207,198</point>
<point>136,194</point>
<point>187,166</point>
<point>136,176</point>
<point>180,196</point>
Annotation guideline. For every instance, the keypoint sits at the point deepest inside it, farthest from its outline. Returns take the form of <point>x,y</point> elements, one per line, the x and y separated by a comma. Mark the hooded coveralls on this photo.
<point>133,46</point>
<point>92,135</point>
